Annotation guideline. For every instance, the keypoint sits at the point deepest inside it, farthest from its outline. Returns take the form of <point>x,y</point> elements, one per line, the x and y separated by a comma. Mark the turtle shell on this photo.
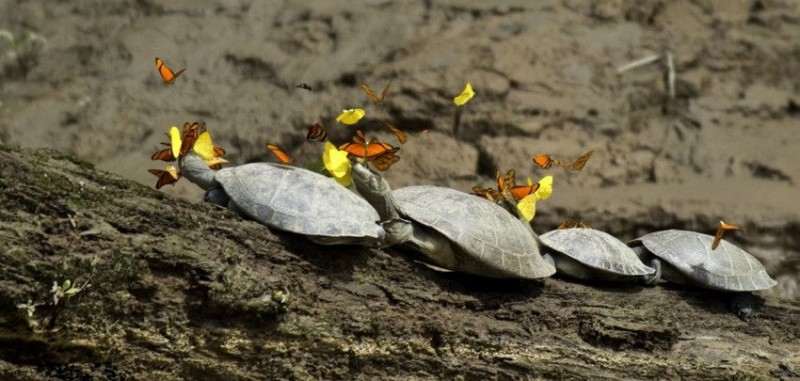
<point>299,201</point>
<point>596,249</point>
<point>490,241</point>
<point>726,268</point>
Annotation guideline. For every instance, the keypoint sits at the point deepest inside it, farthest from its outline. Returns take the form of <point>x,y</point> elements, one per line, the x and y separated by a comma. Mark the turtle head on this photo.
<point>196,170</point>
<point>376,190</point>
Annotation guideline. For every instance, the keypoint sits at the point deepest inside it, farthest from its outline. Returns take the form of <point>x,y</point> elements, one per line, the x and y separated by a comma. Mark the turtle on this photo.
<point>454,230</point>
<point>686,257</point>
<point>591,254</point>
<point>288,198</point>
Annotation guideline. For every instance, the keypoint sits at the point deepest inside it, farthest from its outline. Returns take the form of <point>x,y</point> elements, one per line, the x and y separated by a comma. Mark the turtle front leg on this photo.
<point>742,305</point>
<point>217,195</point>
<point>651,279</point>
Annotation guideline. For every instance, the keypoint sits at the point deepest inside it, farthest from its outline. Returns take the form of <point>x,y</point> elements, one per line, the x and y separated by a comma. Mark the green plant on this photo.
<point>22,52</point>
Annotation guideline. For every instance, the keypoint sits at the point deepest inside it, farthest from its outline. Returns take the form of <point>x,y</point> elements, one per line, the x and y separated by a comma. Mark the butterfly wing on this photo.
<point>383,162</point>
<point>279,153</point>
<point>317,133</point>
<point>543,161</point>
<point>370,94</point>
<point>167,75</point>
<point>581,162</point>
<point>385,90</point>
<point>164,155</point>
<point>520,191</point>
<point>401,136</point>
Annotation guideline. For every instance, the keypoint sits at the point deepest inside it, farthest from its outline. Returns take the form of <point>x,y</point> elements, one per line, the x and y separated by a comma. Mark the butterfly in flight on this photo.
<point>167,75</point>
<point>373,96</point>
<point>317,133</point>
<point>545,161</point>
<point>723,227</point>
<point>402,137</point>
<point>280,154</point>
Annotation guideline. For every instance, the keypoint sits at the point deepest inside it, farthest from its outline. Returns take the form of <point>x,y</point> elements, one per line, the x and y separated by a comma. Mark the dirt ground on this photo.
<point>546,81</point>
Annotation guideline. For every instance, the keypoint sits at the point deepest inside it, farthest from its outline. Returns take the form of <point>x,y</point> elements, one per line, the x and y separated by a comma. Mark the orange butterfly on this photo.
<point>569,224</point>
<point>401,136</point>
<point>163,155</point>
<point>280,154</point>
<point>581,162</point>
<point>317,133</point>
<point>165,177</point>
<point>506,186</point>
<point>167,75</point>
<point>374,97</point>
<point>723,227</point>
<point>382,155</point>
<point>545,161</point>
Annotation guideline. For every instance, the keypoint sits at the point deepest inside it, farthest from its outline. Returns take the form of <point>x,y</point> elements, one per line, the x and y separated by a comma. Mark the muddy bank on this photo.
<point>182,290</point>
<point>544,73</point>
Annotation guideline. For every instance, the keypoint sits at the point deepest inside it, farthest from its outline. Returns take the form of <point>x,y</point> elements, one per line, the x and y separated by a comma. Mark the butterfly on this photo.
<point>165,177</point>
<point>545,161</point>
<point>210,153</point>
<point>317,133</point>
<point>167,75</point>
<point>179,143</point>
<point>465,95</point>
<point>723,227</point>
<point>174,144</point>
<point>581,161</point>
<point>569,224</point>
<point>304,86</point>
<point>280,154</point>
<point>382,155</point>
<point>401,136</point>
<point>506,186</point>
<point>373,96</point>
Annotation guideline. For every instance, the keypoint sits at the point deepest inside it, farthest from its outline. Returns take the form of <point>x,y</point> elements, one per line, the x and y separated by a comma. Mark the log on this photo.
<point>169,289</point>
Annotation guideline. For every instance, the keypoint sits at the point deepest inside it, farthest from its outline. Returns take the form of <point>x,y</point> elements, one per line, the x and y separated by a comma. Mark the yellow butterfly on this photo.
<point>465,95</point>
<point>204,148</point>
<point>337,163</point>
<point>351,116</point>
<point>527,206</point>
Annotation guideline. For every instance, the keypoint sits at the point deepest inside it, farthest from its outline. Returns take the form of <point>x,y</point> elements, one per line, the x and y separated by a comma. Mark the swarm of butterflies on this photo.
<point>381,155</point>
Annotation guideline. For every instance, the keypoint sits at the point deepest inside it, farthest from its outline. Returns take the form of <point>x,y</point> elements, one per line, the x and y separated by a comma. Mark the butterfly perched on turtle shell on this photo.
<point>723,227</point>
